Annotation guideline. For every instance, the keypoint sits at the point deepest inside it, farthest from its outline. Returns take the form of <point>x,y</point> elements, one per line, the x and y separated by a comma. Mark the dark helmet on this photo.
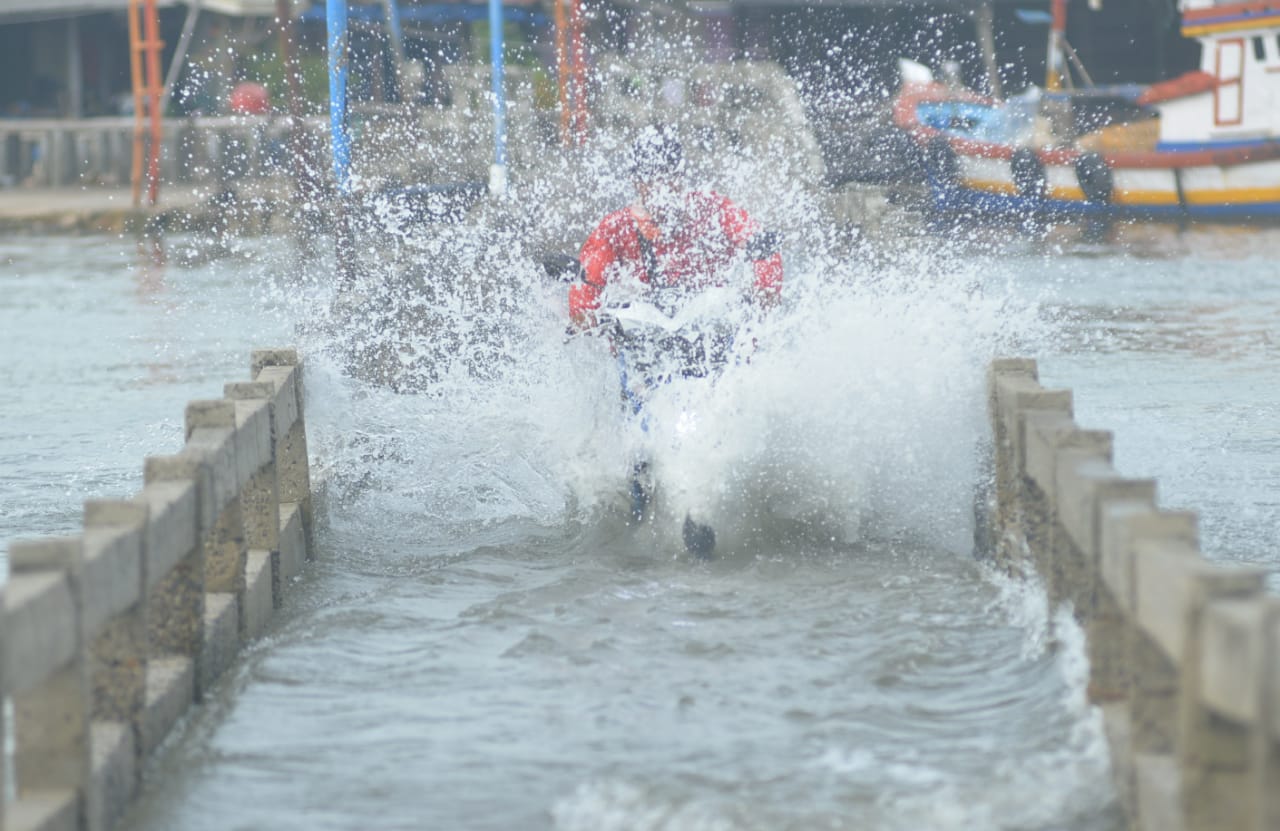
<point>656,152</point>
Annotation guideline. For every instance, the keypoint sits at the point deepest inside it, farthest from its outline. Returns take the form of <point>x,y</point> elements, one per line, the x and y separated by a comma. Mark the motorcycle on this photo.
<point>658,339</point>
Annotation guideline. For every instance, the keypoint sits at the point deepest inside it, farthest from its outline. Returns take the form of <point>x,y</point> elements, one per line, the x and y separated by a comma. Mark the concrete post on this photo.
<point>1131,530</point>
<point>1213,751</point>
<point>1265,742</point>
<point>46,670</point>
<point>212,424</point>
<point>176,607</point>
<point>1086,484</point>
<point>211,436</point>
<point>281,368</point>
<point>260,500</point>
<point>1005,454</point>
<point>4,746</point>
<point>1054,439</point>
<point>120,650</point>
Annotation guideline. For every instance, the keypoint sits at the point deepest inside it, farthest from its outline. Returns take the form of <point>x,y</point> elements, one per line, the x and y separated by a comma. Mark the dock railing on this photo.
<point>109,636</point>
<point>99,151</point>
<point>1184,657</point>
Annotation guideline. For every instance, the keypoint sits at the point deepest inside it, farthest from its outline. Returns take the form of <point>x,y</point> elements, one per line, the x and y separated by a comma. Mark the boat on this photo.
<point>1204,145</point>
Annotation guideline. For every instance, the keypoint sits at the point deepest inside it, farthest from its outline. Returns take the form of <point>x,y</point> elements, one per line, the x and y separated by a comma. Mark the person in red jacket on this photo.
<point>672,240</point>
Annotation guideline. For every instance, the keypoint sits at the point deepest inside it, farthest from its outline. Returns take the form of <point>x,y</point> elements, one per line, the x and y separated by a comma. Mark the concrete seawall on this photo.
<point>1184,657</point>
<point>111,635</point>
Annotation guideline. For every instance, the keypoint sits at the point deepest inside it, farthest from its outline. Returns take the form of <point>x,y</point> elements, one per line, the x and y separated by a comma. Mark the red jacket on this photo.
<point>694,255</point>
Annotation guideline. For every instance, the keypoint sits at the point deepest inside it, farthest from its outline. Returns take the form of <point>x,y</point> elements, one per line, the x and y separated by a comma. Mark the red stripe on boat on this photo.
<point>1232,11</point>
<point>1191,83</point>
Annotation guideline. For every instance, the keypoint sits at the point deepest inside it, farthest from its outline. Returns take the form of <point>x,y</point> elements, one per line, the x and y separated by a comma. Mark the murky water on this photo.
<point>485,642</point>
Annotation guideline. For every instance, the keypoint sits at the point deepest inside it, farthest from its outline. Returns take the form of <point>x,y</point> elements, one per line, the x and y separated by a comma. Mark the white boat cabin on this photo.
<point>1234,99</point>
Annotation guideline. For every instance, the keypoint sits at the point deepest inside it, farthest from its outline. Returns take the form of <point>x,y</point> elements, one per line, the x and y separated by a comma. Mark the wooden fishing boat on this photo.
<point>1202,145</point>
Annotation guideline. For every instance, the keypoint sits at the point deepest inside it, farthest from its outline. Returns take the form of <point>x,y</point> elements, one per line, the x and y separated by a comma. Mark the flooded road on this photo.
<point>485,641</point>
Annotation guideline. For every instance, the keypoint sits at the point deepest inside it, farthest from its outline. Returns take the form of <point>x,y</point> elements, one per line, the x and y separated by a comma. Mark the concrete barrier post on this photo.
<point>1053,438</point>
<point>4,732</point>
<point>179,492</point>
<point>1265,749</point>
<point>1086,484</point>
<point>280,367</point>
<point>114,586</point>
<point>46,672</point>
<point>1133,529</point>
<point>259,502</point>
<point>260,499</point>
<point>211,429</point>
<point>1214,746</point>
<point>1013,391</point>
<point>1038,511</point>
<point>1002,448</point>
<point>120,650</point>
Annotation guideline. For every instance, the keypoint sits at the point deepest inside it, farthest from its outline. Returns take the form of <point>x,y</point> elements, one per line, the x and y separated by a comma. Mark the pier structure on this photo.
<point>1184,653</point>
<point>109,636</point>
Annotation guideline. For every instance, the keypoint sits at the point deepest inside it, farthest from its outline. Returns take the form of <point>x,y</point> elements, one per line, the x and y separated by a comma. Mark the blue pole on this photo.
<point>497,173</point>
<point>336,22</point>
<point>336,18</point>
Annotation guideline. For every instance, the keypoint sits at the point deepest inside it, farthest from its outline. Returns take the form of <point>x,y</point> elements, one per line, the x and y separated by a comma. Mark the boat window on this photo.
<point>1259,50</point>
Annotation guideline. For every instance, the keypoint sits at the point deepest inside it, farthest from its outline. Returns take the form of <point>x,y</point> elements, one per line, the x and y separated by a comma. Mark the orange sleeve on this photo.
<point>597,255</point>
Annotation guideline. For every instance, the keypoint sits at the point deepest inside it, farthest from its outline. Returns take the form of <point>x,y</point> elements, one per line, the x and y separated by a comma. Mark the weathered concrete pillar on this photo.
<point>1085,485</point>
<point>210,432</point>
<point>46,670</point>
<point>120,651</point>
<point>259,501</point>
<point>1132,530</point>
<point>280,368</point>
<point>1005,468</point>
<point>1143,728</point>
<point>260,498</point>
<point>1214,748</point>
<point>1013,390</point>
<point>114,534</point>
<point>4,733</point>
<point>270,527</point>
<point>210,429</point>
<point>1265,741</point>
<point>1053,438</point>
<point>179,492</point>
<point>105,572</point>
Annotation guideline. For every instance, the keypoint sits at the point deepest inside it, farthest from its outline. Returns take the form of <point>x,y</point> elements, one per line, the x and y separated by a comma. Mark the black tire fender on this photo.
<point>1028,173</point>
<point>1095,178</point>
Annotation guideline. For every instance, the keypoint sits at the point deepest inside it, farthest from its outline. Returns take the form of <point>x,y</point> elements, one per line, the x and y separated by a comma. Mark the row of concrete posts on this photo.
<point>1184,653</point>
<point>109,636</point>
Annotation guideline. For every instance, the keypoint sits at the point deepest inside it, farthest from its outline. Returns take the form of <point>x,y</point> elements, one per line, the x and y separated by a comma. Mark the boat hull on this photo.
<point>987,183</point>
